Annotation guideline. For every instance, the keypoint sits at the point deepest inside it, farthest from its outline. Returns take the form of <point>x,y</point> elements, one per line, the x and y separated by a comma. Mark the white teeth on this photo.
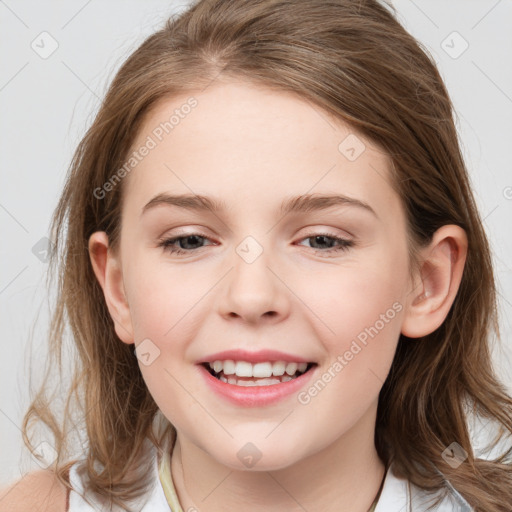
<point>258,370</point>
<point>243,369</point>
<point>291,368</point>
<point>259,382</point>
<point>268,382</point>
<point>278,368</point>
<point>262,370</point>
<point>247,383</point>
<point>229,367</point>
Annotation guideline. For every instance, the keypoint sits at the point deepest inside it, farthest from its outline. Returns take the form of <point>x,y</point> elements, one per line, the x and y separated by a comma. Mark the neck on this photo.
<point>342,477</point>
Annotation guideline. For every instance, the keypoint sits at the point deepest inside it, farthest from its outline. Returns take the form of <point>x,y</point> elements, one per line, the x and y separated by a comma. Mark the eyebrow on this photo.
<point>296,204</point>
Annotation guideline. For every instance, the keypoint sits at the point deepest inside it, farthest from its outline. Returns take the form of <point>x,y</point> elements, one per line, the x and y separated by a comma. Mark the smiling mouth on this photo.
<point>271,380</point>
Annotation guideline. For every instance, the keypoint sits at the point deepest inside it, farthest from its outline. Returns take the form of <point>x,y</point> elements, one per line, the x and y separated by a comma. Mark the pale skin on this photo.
<point>253,147</point>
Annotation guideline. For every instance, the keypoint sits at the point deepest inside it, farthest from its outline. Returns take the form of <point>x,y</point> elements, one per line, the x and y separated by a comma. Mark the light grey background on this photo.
<point>46,104</point>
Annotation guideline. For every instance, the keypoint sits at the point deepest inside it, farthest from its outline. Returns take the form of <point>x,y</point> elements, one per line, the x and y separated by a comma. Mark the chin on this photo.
<point>258,457</point>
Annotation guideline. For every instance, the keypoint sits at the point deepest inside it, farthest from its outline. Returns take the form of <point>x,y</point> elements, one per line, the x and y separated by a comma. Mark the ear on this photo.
<point>437,283</point>
<point>107,268</point>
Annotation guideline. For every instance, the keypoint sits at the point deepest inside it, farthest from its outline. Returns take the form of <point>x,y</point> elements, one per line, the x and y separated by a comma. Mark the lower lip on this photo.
<point>256,396</point>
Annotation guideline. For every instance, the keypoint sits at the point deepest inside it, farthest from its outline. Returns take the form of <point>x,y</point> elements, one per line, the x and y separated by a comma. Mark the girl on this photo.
<point>276,277</point>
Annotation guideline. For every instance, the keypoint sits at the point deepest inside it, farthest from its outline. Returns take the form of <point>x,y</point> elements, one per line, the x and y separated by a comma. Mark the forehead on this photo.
<point>241,141</point>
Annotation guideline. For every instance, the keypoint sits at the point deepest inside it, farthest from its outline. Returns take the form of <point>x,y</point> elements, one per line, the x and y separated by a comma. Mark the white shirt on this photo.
<point>395,496</point>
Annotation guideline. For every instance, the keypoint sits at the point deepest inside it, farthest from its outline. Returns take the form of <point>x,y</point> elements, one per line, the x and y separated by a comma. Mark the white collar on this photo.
<point>396,497</point>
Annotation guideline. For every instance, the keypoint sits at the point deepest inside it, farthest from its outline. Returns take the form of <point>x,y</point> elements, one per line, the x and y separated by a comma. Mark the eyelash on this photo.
<point>167,243</point>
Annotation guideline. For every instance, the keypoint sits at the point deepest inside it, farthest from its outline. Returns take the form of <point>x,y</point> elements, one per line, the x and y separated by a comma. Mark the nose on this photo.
<point>255,292</point>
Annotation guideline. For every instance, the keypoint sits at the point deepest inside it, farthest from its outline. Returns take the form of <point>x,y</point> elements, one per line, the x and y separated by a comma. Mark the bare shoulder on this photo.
<point>37,490</point>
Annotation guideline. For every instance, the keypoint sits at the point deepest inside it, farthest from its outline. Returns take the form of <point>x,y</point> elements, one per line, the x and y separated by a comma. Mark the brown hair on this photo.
<point>356,62</point>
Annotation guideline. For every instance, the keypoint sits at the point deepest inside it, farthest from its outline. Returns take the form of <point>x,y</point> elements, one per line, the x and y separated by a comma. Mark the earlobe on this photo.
<point>107,269</point>
<point>442,265</point>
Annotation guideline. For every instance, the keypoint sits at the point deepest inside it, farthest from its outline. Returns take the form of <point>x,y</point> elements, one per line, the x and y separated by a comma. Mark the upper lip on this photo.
<point>260,356</point>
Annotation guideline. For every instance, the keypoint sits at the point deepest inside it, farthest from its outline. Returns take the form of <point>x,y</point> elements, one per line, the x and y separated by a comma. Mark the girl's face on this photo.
<point>258,278</point>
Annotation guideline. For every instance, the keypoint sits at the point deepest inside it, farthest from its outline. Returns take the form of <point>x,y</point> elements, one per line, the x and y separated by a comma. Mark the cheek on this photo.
<point>159,297</point>
<point>359,330</point>
<point>349,298</point>
<point>357,310</point>
<point>161,306</point>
